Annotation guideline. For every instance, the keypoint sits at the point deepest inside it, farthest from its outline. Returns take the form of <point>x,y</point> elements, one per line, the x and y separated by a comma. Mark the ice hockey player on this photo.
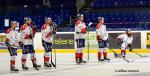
<point>27,33</point>
<point>125,41</point>
<point>80,32</point>
<point>12,43</point>
<point>102,36</point>
<point>48,31</point>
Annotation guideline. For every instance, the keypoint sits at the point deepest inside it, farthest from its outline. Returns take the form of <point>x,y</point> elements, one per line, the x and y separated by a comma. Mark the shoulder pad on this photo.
<point>8,30</point>
<point>97,26</point>
<point>22,27</point>
<point>77,22</point>
<point>44,27</point>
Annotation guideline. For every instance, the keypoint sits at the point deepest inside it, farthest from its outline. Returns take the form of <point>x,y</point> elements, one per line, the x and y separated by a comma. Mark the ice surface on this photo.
<point>66,66</point>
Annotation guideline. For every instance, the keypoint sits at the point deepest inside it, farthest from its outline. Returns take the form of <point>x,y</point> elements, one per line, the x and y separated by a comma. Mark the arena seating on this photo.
<point>119,3</point>
<point>38,19</point>
<point>120,19</point>
<point>59,11</point>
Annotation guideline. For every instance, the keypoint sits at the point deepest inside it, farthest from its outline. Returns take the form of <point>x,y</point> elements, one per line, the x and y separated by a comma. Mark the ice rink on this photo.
<point>66,66</point>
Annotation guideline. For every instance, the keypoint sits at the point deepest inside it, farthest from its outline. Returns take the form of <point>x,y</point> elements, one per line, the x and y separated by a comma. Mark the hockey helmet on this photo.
<point>26,19</point>
<point>79,15</point>
<point>100,18</point>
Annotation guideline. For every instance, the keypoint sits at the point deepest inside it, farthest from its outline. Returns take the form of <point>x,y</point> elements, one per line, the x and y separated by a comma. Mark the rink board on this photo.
<point>85,51</point>
<point>65,42</point>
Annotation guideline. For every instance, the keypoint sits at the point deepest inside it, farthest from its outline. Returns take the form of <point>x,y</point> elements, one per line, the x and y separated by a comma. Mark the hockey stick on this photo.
<point>55,58</point>
<point>115,54</point>
<point>88,51</point>
<point>120,55</point>
<point>125,59</point>
<point>139,54</point>
<point>54,65</point>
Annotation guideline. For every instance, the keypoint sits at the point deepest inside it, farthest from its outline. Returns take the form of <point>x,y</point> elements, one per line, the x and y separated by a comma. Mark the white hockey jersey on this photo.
<point>25,32</point>
<point>46,29</point>
<point>101,31</point>
<point>13,37</point>
<point>125,40</point>
<point>80,30</point>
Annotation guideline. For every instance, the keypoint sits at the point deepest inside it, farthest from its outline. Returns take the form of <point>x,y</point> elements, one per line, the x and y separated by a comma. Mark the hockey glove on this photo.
<point>83,30</point>
<point>30,36</point>
<point>7,44</point>
<point>48,34</point>
<point>20,44</point>
<point>130,47</point>
<point>98,37</point>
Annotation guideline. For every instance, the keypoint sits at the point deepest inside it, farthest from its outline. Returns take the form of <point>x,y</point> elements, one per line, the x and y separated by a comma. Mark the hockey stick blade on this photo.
<point>139,54</point>
<point>125,59</point>
<point>121,56</point>
<point>53,64</point>
<point>115,54</point>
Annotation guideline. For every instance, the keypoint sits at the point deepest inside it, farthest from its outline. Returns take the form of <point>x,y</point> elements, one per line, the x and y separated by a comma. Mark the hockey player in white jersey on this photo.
<point>102,36</point>
<point>125,41</point>
<point>12,43</point>
<point>80,31</point>
<point>27,32</point>
<point>48,31</point>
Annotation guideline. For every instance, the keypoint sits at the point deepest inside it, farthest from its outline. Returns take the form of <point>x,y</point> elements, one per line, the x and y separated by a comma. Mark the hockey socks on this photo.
<point>79,58</point>
<point>105,56</point>
<point>46,62</point>
<point>123,53</point>
<point>24,67</point>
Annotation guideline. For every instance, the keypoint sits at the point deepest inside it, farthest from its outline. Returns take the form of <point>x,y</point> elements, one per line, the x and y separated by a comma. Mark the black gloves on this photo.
<point>130,47</point>
<point>20,44</point>
<point>30,36</point>
<point>7,44</point>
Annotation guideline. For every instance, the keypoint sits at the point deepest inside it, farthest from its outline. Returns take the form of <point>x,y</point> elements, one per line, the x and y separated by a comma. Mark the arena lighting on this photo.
<point>25,6</point>
<point>6,22</point>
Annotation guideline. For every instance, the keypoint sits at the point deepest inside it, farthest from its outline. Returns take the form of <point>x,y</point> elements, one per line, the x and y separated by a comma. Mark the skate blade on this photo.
<point>25,69</point>
<point>79,63</point>
<point>37,68</point>
<point>131,61</point>
<point>14,71</point>
<point>84,62</point>
<point>100,61</point>
<point>106,60</point>
<point>47,67</point>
